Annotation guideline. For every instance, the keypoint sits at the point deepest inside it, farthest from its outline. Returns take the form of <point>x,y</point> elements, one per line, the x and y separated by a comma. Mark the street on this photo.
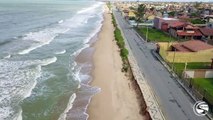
<point>172,99</point>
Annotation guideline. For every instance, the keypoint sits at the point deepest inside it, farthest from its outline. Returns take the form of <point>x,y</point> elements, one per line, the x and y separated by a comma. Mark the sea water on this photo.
<point>39,40</point>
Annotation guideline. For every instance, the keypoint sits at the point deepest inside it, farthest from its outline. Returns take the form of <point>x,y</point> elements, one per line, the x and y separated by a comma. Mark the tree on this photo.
<point>198,21</point>
<point>172,14</point>
<point>140,13</point>
<point>197,5</point>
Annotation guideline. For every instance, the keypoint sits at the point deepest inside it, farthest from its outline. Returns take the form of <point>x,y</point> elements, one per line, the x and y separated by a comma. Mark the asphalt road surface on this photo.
<point>172,99</point>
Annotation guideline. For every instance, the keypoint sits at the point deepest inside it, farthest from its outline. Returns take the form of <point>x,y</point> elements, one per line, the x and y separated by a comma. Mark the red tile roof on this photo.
<point>191,27</point>
<point>184,33</point>
<point>207,31</point>
<point>192,46</point>
<point>177,24</point>
<point>183,17</point>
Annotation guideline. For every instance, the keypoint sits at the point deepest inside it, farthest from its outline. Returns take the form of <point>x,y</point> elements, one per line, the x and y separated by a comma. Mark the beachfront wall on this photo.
<point>182,57</point>
<point>198,73</point>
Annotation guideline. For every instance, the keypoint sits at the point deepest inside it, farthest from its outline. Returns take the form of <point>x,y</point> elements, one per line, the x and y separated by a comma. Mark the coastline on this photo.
<point>117,99</point>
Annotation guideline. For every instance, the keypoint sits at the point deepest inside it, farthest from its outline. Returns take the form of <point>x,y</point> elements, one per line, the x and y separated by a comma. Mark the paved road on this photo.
<point>173,101</point>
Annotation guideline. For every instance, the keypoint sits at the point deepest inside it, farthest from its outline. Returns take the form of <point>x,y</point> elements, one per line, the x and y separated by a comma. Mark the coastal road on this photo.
<point>172,99</point>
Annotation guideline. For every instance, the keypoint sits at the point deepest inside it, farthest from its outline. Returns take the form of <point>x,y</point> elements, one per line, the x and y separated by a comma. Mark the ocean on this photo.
<point>43,73</point>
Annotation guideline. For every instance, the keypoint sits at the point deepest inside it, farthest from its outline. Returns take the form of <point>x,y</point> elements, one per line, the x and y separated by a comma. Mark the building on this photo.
<point>207,33</point>
<point>191,46</point>
<point>131,14</point>
<point>163,23</point>
<point>183,30</point>
<point>188,51</point>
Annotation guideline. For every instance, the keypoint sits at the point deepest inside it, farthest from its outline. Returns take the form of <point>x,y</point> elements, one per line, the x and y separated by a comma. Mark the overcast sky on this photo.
<point>172,0</point>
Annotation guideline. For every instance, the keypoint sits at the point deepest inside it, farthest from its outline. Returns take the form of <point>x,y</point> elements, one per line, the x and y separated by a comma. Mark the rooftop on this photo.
<point>206,31</point>
<point>177,24</point>
<point>166,18</point>
<point>192,46</point>
<point>185,33</point>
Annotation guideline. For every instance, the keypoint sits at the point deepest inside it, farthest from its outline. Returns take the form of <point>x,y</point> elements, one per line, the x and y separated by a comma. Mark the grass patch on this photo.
<point>205,84</point>
<point>155,35</point>
<point>179,67</point>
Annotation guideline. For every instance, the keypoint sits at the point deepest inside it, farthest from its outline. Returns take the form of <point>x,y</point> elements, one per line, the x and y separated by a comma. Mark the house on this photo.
<point>163,23</point>
<point>183,30</point>
<point>151,17</point>
<point>131,14</point>
<point>191,46</point>
<point>207,34</point>
<point>188,51</point>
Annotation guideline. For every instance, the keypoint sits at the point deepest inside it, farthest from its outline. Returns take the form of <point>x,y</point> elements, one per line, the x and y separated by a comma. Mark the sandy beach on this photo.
<point>117,99</point>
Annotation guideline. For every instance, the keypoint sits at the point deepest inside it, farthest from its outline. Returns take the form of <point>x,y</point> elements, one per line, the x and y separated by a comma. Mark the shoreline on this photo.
<point>117,99</point>
<point>85,92</point>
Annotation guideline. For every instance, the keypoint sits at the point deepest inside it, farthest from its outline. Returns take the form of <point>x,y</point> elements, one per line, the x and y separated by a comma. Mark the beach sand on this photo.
<point>117,99</point>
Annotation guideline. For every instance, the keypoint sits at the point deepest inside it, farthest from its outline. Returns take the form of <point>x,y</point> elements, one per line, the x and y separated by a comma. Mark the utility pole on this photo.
<point>147,30</point>
<point>173,60</point>
<point>184,72</point>
<point>185,66</point>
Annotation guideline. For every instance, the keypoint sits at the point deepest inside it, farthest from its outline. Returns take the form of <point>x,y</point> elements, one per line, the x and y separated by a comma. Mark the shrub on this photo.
<point>197,21</point>
<point>124,53</point>
<point>113,21</point>
<point>121,44</point>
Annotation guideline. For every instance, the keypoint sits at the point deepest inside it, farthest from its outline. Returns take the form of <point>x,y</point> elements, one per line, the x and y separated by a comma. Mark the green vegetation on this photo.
<point>119,38</point>
<point>121,44</point>
<point>124,53</point>
<point>179,67</point>
<point>113,21</point>
<point>140,13</point>
<point>131,8</point>
<point>195,14</point>
<point>172,14</point>
<point>197,21</point>
<point>109,5</point>
<point>205,83</point>
<point>132,18</point>
<point>197,5</point>
<point>155,35</point>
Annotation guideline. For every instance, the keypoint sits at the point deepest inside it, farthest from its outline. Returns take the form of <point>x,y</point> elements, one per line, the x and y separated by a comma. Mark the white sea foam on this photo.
<point>61,21</point>
<point>48,61</point>
<point>92,8</point>
<point>75,71</point>
<point>26,81</point>
<point>60,52</point>
<point>17,79</point>
<point>69,106</point>
<point>85,110</point>
<point>26,51</point>
<point>98,28</point>
<point>19,115</point>
<point>7,56</point>
<point>45,36</point>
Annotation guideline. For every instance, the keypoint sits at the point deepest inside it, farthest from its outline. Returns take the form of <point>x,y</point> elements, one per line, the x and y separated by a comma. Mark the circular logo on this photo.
<point>200,108</point>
